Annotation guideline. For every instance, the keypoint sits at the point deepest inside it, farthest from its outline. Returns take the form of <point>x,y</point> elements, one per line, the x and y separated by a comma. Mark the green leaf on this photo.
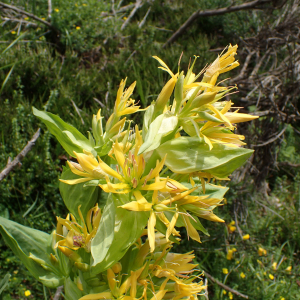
<point>75,195</point>
<point>147,120</point>
<point>129,226</point>
<point>72,292</point>
<point>67,135</point>
<point>24,240</point>
<point>105,234</point>
<point>160,127</point>
<point>189,154</point>
<point>4,283</point>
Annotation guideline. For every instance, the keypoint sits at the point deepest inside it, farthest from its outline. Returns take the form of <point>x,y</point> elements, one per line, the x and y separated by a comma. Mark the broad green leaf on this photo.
<point>4,282</point>
<point>129,226</point>
<point>67,135</point>
<point>72,292</point>
<point>189,154</point>
<point>75,195</point>
<point>24,240</point>
<point>147,120</point>
<point>160,127</point>
<point>105,234</point>
<point>215,191</point>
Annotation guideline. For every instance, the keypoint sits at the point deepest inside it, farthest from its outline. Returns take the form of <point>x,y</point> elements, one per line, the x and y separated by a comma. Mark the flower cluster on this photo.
<point>129,190</point>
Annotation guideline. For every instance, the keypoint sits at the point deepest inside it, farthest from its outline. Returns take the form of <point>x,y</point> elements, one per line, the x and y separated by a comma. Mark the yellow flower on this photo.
<point>274,266</point>
<point>224,292</point>
<point>225,271</point>
<point>232,223</point>
<point>26,18</point>
<point>230,295</point>
<point>13,32</point>
<point>78,27</point>
<point>124,105</point>
<point>271,276</point>
<point>231,228</point>
<point>282,298</point>
<point>229,254</point>
<point>84,4</point>
<point>242,275</point>
<point>44,19</point>
<point>27,293</point>
<point>72,235</point>
<point>56,10</point>
<point>289,269</point>
<point>262,251</point>
<point>246,237</point>
<point>88,167</point>
<point>222,64</point>
<point>130,171</point>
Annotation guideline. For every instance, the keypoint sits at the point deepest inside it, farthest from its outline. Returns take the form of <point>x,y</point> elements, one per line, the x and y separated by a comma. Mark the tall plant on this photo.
<point>128,190</point>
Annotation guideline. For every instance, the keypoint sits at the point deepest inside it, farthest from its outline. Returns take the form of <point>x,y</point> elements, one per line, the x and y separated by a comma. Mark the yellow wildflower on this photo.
<point>242,275</point>
<point>282,298</point>
<point>229,254</point>
<point>13,32</point>
<point>74,236</point>
<point>88,167</point>
<point>224,292</point>
<point>262,251</point>
<point>274,266</point>
<point>225,271</point>
<point>222,64</point>
<point>271,276</point>
<point>56,10</point>
<point>289,269</point>
<point>246,237</point>
<point>230,295</point>
<point>78,27</point>
<point>27,293</point>
<point>231,228</point>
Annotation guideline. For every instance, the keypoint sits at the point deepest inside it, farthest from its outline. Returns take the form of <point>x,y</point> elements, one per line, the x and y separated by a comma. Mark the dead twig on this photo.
<point>214,12</point>
<point>272,139</point>
<point>142,23</point>
<point>17,161</point>
<point>49,9</point>
<point>225,287</point>
<point>23,12</point>
<point>58,292</point>
<point>138,4</point>
<point>78,111</point>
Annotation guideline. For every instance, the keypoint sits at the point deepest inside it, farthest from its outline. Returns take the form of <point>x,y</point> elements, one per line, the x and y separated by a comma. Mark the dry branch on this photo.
<point>23,12</point>
<point>58,292</point>
<point>17,161</point>
<point>225,287</point>
<point>214,12</point>
<point>138,4</point>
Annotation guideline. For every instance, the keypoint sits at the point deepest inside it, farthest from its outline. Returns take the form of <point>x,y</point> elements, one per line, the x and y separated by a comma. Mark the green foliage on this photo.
<point>189,154</point>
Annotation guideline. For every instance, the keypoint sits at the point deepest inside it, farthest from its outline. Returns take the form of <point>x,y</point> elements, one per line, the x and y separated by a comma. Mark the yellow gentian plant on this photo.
<point>130,189</point>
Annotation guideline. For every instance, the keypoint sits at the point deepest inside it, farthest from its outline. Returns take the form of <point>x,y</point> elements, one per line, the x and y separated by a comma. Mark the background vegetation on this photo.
<point>74,67</point>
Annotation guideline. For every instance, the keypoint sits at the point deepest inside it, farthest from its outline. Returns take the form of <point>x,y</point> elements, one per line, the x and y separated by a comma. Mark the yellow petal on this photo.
<point>151,231</point>
<point>75,181</point>
<point>171,226</point>
<point>108,170</point>
<point>191,231</point>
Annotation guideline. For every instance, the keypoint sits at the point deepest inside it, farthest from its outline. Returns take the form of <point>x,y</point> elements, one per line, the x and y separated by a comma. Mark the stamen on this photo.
<point>117,167</point>
<point>128,172</point>
<point>134,183</point>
